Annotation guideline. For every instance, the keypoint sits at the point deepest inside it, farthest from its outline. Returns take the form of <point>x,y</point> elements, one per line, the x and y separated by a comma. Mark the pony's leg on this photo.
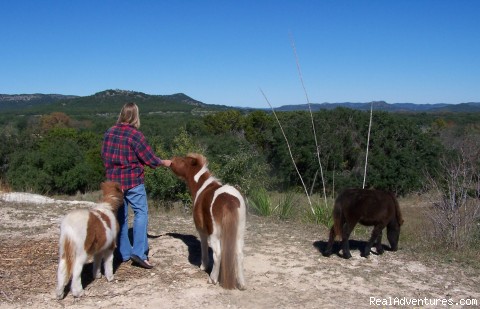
<point>217,259</point>
<point>77,289</point>
<point>62,279</point>
<point>347,229</point>
<point>331,240</point>
<point>97,262</point>
<point>240,276</point>
<point>378,244</point>
<point>377,230</point>
<point>108,264</point>
<point>204,245</point>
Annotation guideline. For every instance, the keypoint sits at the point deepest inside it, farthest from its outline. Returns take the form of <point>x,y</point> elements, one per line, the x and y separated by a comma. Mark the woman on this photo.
<point>125,152</point>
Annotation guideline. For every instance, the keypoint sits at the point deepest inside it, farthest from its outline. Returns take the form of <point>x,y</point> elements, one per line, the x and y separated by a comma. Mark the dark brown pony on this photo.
<point>375,208</point>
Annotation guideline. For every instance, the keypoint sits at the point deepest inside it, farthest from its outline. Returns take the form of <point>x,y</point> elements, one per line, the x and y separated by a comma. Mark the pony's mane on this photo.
<point>200,158</point>
<point>112,194</point>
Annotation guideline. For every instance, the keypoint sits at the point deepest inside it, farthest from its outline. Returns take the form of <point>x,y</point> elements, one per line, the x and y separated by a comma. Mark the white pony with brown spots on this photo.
<point>219,216</point>
<point>86,233</point>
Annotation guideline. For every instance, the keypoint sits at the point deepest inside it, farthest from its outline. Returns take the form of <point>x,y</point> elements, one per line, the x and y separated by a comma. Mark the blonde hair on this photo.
<point>129,114</point>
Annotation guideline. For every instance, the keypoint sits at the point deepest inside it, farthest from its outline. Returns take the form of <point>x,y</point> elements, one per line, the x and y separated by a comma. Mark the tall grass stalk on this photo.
<point>317,148</point>
<point>368,143</point>
<point>289,151</point>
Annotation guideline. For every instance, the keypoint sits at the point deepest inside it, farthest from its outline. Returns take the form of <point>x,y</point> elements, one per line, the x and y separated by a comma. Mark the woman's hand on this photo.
<point>166,163</point>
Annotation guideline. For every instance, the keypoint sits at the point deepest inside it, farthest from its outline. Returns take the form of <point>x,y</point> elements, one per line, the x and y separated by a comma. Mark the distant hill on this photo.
<point>110,101</point>
<point>16,101</point>
<point>383,106</point>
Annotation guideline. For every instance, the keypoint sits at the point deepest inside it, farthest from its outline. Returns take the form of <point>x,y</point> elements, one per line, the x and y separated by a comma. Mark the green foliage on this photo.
<point>286,205</point>
<point>230,121</point>
<point>400,155</point>
<point>162,184</point>
<point>26,173</point>
<point>242,169</point>
<point>322,214</point>
<point>184,144</point>
<point>265,203</point>
<point>63,161</point>
<point>258,127</point>
<point>247,150</point>
<point>260,202</point>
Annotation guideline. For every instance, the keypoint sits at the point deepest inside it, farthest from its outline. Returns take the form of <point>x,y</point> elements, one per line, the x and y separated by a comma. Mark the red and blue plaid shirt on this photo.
<point>125,151</point>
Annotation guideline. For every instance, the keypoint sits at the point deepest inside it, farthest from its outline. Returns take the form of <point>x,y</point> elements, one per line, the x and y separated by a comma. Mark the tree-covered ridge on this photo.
<point>104,102</point>
<point>468,107</point>
<point>60,152</point>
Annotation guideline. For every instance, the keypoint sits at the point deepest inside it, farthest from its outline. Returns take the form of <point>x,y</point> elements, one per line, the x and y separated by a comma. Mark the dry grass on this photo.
<point>418,239</point>
<point>4,187</point>
<point>17,279</point>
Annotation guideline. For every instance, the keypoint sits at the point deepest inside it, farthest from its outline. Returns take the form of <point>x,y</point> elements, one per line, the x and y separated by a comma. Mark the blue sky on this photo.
<point>224,52</point>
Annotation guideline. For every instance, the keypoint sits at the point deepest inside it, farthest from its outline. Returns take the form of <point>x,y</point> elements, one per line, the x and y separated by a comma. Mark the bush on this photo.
<point>162,184</point>
<point>243,169</point>
<point>286,205</point>
<point>455,202</point>
<point>62,162</point>
<point>322,214</point>
<point>259,201</point>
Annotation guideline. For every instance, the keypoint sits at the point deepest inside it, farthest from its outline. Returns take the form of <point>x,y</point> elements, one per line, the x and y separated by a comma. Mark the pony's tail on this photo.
<point>228,243</point>
<point>67,255</point>
<point>337,219</point>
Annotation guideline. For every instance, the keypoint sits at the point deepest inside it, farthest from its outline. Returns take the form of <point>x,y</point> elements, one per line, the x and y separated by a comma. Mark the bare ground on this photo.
<point>284,268</point>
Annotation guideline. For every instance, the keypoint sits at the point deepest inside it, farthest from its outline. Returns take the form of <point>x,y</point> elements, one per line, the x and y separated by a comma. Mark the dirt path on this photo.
<point>283,269</point>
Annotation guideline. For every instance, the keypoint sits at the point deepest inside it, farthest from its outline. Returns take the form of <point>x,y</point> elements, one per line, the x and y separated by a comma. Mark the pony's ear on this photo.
<point>193,161</point>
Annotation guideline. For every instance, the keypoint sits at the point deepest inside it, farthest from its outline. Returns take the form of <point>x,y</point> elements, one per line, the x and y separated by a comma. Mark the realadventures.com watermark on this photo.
<point>409,301</point>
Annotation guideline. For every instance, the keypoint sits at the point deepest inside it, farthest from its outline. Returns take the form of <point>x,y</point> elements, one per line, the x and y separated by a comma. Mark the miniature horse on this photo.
<point>219,216</point>
<point>88,233</point>
<point>370,208</point>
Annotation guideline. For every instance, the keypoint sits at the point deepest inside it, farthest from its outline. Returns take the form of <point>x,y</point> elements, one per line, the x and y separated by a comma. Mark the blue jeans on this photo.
<point>137,198</point>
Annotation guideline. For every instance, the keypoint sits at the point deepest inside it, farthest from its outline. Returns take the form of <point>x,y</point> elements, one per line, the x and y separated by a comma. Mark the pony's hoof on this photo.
<point>327,253</point>
<point>110,278</point>
<point>78,294</point>
<point>98,276</point>
<point>60,295</point>
<point>347,256</point>
<point>380,252</point>
<point>241,287</point>
<point>211,281</point>
<point>366,253</point>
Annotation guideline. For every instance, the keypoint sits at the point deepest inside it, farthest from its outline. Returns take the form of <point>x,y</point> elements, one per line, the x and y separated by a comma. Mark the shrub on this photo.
<point>285,206</point>
<point>322,214</point>
<point>455,202</point>
<point>259,201</point>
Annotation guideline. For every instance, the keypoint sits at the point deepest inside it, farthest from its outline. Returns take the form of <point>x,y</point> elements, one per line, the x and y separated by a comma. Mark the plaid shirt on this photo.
<point>124,152</point>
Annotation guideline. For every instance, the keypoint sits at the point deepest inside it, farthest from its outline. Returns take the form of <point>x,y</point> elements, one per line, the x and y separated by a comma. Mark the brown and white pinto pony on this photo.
<point>86,233</point>
<point>219,216</point>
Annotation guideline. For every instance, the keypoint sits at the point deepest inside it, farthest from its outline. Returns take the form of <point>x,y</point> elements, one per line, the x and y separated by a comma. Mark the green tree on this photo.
<point>230,121</point>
